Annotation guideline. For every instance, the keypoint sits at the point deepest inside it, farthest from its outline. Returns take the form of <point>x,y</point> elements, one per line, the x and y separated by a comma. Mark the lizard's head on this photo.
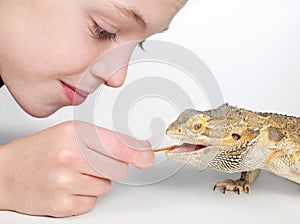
<point>225,127</point>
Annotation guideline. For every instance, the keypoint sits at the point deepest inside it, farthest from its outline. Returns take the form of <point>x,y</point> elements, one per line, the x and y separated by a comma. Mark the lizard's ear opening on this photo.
<point>235,136</point>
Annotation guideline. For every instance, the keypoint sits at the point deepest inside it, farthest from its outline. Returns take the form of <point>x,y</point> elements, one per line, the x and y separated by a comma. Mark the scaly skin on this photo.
<point>238,140</point>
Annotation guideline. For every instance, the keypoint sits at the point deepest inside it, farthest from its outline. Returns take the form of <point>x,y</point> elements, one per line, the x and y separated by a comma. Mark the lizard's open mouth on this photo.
<point>187,148</point>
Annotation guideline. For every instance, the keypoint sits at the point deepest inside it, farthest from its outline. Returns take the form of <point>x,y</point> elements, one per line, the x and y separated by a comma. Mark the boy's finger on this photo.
<point>102,166</point>
<point>114,145</point>
<point>91,186</point>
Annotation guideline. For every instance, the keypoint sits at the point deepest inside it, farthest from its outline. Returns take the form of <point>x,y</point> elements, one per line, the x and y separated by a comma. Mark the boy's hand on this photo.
<point>47,173</point>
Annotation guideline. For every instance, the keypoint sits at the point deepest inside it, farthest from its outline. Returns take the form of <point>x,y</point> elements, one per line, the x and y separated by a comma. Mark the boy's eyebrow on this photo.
<point>132,13</point>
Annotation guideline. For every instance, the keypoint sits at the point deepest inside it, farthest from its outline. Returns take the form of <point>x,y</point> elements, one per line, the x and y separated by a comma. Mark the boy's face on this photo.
<point>46,45</point>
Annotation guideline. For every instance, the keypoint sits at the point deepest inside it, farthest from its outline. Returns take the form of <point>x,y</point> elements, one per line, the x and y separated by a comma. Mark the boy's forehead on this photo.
<point>171,5</point>
<point>152,12</point>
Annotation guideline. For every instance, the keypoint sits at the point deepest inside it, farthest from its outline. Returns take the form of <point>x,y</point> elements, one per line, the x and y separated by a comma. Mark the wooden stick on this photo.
<point>166,148</point>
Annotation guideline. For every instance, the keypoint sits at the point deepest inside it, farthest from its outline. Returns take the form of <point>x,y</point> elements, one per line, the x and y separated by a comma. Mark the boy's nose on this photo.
<point>112,66</point>
<point>117,79</point>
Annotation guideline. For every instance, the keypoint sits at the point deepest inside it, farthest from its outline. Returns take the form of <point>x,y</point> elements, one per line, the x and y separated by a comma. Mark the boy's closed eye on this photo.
<point>102,34</point>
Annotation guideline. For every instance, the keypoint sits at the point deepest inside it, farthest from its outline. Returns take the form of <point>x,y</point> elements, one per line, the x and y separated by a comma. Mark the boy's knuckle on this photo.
<point>66,156</point>
<point>64,181</point>
<point>86,204</point>
<point>64,206</point>
<point>104,187</point>
<point>68,128</point>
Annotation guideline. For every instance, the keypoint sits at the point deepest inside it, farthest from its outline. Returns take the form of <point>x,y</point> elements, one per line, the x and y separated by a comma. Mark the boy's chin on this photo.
<point>34,107</point>
<point>39,112</point>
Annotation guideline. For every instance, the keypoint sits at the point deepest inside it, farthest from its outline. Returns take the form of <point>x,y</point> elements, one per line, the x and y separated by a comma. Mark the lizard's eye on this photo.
<point>197,126</point>
<point>235,136</point>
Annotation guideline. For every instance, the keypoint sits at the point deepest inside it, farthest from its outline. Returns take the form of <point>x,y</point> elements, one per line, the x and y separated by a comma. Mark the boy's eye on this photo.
<point>101,34</point>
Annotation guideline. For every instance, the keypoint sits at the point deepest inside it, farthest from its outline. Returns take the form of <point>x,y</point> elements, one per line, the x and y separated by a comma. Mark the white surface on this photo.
<point>252,48</point>
<point>188,197</point>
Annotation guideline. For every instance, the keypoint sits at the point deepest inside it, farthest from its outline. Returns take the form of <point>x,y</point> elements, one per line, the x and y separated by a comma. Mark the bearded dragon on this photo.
<point>231,139</point>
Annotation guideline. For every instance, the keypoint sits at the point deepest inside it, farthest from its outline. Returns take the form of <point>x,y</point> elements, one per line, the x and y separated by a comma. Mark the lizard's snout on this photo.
<point>174,130</point>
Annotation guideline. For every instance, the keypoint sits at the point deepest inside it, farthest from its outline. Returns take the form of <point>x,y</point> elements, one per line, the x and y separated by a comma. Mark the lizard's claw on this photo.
<point>233,185</point>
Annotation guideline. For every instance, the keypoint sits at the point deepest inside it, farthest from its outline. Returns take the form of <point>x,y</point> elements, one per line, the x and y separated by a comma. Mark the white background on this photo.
<point>252,48</point>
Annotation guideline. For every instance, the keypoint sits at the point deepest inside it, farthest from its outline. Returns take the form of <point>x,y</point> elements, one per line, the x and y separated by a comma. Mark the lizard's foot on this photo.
<point>233,185</point>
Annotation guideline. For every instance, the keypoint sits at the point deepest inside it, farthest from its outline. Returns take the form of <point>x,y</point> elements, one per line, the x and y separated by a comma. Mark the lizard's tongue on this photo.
<point>187,148</point>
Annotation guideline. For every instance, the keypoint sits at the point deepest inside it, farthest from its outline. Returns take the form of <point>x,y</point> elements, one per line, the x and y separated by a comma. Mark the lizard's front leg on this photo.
<point>242,184</point>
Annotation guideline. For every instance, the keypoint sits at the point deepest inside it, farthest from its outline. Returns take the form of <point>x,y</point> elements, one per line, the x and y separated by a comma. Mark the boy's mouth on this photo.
<point>75,96</point>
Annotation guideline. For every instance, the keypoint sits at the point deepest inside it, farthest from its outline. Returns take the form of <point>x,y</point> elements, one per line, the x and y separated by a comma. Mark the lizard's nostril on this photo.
<point>179,130</point>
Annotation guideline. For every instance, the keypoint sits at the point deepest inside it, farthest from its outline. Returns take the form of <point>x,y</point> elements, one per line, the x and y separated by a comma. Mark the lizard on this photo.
<point>231,139</point>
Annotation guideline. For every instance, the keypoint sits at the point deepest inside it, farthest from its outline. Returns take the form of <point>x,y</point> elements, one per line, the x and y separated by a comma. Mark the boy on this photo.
<point>45,47</point>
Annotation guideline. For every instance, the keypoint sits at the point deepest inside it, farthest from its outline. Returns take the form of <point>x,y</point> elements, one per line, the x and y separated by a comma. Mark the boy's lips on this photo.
<point>76,96</point>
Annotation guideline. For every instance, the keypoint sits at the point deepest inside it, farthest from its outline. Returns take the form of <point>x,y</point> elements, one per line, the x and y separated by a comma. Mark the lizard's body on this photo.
<point>231,139</point>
